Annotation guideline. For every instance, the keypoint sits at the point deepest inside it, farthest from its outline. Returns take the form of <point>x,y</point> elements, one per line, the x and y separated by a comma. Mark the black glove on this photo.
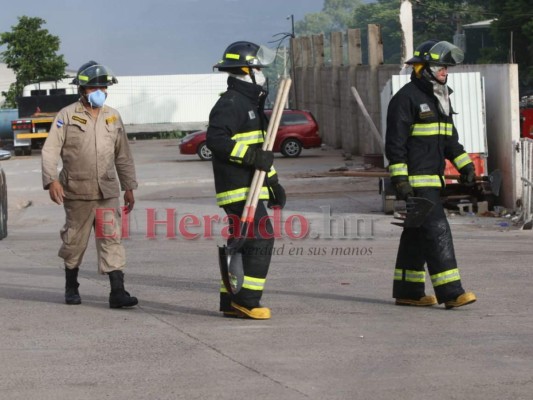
<point>259,159</point>
<point>277,197</point>
<point>468,175</point>
<point>403,188</point>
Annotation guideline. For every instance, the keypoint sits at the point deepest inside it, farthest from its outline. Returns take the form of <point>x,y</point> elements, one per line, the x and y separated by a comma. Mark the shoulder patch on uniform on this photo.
<point>251,114</point>
<point>59,123</point>
<point>79,119</point>
<point>111,119</point>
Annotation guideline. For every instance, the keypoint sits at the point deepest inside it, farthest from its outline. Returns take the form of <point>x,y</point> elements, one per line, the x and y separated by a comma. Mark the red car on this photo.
<point>297,130</point>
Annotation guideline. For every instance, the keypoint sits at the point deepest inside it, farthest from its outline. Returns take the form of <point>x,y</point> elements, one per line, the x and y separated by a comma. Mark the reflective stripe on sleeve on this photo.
<point>238,152</point>
<point>398,169</point>
<point>462,160</point>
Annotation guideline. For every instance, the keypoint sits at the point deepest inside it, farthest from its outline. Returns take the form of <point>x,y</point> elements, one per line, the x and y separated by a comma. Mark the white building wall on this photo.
<point>184,100</point>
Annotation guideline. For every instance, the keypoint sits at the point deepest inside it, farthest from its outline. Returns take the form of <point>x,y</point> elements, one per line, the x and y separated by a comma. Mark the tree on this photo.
<point>432,19</point>
<point>31,54</point>
<point>335,16</point>
<point>514,27</point>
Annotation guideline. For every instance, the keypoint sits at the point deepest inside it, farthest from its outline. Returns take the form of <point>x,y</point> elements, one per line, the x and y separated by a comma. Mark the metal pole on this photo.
<point>293,69</point>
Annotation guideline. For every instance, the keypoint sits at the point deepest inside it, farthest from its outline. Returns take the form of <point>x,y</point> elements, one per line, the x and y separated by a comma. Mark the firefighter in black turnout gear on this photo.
<point>420,136</point>
<point>237,126</point>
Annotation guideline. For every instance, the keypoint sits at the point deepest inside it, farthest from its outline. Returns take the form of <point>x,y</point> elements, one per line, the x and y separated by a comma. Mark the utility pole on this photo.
<point>293,69</point>
<point>406,22</point>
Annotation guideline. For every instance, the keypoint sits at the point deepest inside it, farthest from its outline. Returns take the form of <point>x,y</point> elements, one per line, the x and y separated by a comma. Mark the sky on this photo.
<point>156,37</point>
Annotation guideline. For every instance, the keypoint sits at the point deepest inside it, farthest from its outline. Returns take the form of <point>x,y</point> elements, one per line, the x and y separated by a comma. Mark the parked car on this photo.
<point>5,154</point>
<point>297,130</point>
<point>3,204</point>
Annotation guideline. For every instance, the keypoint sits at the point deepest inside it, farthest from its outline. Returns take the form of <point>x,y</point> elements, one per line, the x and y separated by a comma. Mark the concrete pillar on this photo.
<point>375,59</point>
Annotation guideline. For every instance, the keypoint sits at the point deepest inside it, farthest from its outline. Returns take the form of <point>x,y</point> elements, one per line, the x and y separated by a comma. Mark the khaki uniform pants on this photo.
<point>81,217</point>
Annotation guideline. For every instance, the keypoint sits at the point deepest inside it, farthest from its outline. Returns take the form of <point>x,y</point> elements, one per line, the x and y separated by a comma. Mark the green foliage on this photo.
<point>335,16</point>
<point>31,54</point>
<point>432,19</point>
<point>514,25</point>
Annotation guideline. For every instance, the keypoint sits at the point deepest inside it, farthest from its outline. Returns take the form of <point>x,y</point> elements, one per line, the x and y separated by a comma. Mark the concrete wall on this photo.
<point>503,125</point>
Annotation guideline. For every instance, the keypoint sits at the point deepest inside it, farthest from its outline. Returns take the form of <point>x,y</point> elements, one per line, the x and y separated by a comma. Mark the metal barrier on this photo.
<point>526,152</point>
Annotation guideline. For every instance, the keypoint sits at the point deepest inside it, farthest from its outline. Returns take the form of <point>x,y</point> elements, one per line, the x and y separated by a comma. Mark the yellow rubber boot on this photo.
<point>253,313</point>
<point>462,300</point>
<point>421,302</point>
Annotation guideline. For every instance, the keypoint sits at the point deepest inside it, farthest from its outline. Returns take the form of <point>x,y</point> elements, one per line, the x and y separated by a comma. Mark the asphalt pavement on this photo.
<point>334,334</point>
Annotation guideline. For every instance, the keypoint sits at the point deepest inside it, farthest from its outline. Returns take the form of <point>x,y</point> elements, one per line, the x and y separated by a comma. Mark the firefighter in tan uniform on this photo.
<point>90,140</point>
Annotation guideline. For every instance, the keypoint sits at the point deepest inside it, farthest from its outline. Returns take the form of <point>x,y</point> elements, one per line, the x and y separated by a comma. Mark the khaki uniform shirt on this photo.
<point>92,151</point>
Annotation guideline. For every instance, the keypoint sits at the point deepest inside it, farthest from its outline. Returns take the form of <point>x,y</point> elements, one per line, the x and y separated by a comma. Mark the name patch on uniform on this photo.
<point>59,123</point>
<point>111,119</point>
<point>79,119</point>
<point>425,111</point>
<point>251,114</point>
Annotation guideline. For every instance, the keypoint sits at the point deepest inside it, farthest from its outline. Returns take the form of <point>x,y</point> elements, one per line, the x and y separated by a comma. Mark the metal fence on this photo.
<point>526,153</point>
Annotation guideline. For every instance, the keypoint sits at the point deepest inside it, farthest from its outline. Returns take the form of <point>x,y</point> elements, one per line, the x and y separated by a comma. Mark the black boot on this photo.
<point>72,296</point>
<point>118,297</point>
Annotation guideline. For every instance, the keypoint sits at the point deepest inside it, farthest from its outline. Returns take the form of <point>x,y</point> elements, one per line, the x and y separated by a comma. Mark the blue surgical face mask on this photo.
<point>97,98</point>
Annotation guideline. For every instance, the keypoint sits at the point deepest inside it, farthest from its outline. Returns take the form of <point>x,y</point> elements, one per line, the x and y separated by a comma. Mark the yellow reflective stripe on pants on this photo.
<point>462,160</point>
<point>223,287</point>
<point>445,277</point>
<point>253,283</point>
<point>425,181</point>
<point>234,196</point>
<point>432,129</point>
<point>410,275</point>
<point>398,169</point>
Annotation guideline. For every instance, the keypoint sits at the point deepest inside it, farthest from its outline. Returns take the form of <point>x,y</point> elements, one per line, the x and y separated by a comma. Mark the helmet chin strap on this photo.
<point>252,76</point>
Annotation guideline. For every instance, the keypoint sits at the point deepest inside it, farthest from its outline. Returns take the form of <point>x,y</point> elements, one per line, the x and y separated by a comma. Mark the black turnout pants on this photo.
<point>429,244</point>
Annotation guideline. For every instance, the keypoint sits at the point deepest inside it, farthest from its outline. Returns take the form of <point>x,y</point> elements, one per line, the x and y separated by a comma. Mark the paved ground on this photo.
<point>335,333</point>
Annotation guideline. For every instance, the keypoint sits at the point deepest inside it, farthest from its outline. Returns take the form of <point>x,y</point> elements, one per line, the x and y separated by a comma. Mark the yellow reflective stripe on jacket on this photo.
<point>398,169</point>
<point>462,160</point>
<point>238,152</point>
<point>253,283</point>
<point>410,275</point>
<point>234,196</point>
<point>425,181</point>
<point>435,128</point>
<point>272,172</point>
<point>252,137</point>
<point>445,277</point>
